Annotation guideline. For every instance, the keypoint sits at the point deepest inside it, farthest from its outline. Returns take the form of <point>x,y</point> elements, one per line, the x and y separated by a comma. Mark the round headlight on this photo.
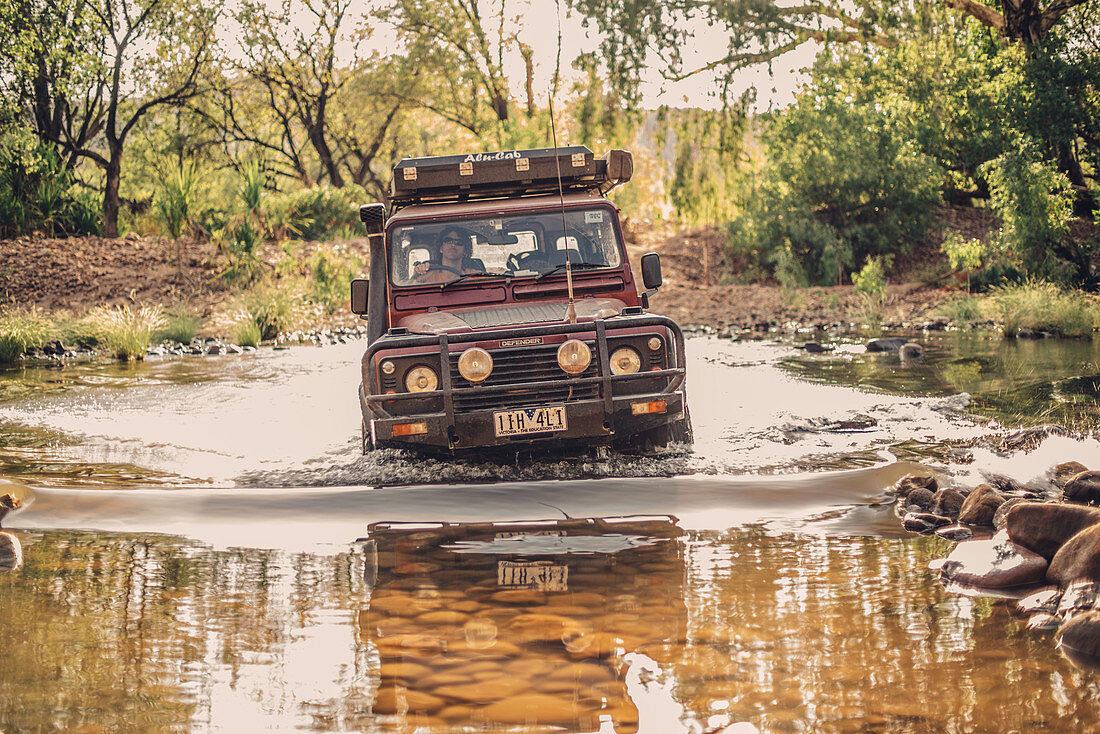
<point>388,367</point>
<point>654,344</point>
<point>625,361</point>
<point>475,364</point>
<point>574,356</point>
<point>421,379</point>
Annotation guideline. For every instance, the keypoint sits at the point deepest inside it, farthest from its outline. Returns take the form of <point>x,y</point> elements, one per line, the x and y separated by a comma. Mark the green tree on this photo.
<point>91,70</point>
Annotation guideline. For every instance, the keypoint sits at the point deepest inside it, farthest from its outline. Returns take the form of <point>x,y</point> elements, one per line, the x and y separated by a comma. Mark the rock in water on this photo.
<point>956,533</point>
<point>948,502</point>
<point>1078,559</point>
<point>922,522</point>
<point>910,350</point>
<point>993,564</point>
<point>11,552</point>
<point>892,344</point>
<point>980,506</point>
<point>1043,527</point>
<point>1044,600</point>
<point>1079,639</point>
<point>1083,487</point>
<point>909,482</point>
<point>1000,517</point>
<point>1067,471</point>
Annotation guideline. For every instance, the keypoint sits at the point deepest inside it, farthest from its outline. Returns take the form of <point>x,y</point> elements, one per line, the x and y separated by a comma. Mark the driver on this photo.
<point>452,260</point>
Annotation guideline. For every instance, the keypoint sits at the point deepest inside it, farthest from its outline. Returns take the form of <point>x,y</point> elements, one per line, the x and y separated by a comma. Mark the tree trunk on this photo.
<point>110,193</point>
<point>324,153</point>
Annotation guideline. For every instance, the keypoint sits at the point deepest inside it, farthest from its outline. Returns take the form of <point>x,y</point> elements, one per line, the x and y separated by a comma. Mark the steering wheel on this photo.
<point>440,266</point>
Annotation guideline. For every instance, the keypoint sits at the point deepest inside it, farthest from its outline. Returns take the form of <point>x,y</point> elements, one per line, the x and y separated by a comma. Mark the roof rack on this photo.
<point>452,178</point>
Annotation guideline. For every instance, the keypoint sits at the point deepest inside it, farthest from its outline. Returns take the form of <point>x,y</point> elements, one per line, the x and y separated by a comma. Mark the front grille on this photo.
<point>513,368</point>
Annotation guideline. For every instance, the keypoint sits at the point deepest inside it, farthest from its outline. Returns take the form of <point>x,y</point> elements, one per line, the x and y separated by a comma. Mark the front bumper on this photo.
<point>605,418</point>
<point>587,421</point>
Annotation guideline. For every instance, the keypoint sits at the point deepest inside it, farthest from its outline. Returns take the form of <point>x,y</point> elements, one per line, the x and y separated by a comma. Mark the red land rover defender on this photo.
<point>503,315</point>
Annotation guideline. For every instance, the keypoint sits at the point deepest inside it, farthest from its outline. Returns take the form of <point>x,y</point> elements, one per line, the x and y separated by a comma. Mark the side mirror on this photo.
<point>651,270</point>
<point>360,287</point>
<point>374,217</point>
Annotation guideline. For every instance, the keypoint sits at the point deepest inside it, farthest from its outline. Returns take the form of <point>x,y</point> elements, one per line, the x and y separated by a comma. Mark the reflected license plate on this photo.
<point>529,420</point>
<point>540,575</point>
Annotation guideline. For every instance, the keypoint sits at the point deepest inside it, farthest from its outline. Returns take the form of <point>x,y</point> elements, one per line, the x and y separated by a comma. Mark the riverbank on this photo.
<point>73,276</point>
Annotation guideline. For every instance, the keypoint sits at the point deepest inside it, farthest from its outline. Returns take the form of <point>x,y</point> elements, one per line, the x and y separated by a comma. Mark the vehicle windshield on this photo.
<point>514,246</point>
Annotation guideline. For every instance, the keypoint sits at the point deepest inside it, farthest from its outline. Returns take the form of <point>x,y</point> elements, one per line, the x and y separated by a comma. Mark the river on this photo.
<point>204,549</point>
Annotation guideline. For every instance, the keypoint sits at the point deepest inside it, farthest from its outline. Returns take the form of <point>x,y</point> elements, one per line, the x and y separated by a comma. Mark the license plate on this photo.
<point>529,420</point>
<point>539,575</point>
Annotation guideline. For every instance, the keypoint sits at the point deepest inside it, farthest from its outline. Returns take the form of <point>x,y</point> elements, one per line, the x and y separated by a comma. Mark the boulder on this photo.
<point>1078,559</point>
<point>1043,526</point>
<point>908,483</point>
<point>993,564</point>
<point>1000,517</point>
<point>1078,597</point>
<point>980,506</point>
<point>1081,636</point>
<point>1044,600</point>
<point>1066,471</point>
<point>816,348</point>
<point>948,502</point>
<point>922,522</point>
<point>918,500</point>
<point>892,344</point>
<point>1083,487</point>
<point>910,351</point>
<point>11,552</point>
<point>956,533</point>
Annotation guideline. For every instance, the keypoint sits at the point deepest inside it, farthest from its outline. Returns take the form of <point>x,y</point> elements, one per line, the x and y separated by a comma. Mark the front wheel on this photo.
<point>677,432</point>
<point>366,444</point>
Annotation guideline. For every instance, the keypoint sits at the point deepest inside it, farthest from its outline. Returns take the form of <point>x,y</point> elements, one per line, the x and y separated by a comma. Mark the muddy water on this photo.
<point>203,549</point>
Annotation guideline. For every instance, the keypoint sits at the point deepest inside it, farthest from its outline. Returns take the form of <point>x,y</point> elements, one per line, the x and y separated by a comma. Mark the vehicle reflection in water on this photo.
<point>491,624</point>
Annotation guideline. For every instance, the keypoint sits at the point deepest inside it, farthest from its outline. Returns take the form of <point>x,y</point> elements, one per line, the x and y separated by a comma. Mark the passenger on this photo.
<point>451,260</point>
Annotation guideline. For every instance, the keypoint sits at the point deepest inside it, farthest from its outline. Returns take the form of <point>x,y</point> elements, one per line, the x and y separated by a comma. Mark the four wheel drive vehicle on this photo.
<point>503,315</point>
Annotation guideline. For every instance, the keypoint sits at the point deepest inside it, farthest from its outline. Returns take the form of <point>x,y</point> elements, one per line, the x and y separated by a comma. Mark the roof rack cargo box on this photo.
<point>507,173</point>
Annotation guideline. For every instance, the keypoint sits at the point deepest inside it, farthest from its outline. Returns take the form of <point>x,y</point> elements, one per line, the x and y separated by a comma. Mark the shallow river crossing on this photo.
<point>195,555</point>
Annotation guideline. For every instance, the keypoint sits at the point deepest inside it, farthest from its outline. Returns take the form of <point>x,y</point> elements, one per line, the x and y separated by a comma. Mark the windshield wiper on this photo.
<point>464,276</point>
<point>575,266</point>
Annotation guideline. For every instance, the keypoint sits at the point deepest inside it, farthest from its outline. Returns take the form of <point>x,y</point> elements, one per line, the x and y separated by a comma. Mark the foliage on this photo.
<point>316,213</point>
<point>176,199</point>
<point>38,192</point>
<point>331,272</point>
<point>21,330</point>
<point>179,326</point>
<point>125,331</point>
<point>964,310</point>
<point>965,255</point>
<point>840,184</point>
<point>870,285</point>
<point>274,306</point>
<point>1035,204</point>
<point>1041,306</point>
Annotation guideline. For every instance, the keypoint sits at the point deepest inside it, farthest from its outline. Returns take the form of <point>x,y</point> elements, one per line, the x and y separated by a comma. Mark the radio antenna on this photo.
<point>570,309</point>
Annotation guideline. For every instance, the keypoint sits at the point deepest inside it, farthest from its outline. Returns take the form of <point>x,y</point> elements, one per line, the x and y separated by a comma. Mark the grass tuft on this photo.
<point>20,330</point>
<point>179,326</point>
<point>126,332</point>
<point>274,307</point>
<point>1042,306</point>
<point>246,332</point>
<point>964,310</point>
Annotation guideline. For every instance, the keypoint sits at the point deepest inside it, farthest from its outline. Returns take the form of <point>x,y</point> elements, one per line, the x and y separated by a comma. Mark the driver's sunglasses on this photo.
<point>452,242</point>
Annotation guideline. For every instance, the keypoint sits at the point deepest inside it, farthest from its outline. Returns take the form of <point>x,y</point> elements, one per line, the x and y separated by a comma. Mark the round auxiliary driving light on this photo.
<point>388,367</point>
<point>574,356</point>
<point>625,361</point>
<point>421,379</point>
<point>475,364</point>
<point>654,344</point>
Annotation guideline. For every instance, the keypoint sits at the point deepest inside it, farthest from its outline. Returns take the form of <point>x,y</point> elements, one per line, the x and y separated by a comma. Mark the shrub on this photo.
<point>126,332</point>
<point>965,255</point>
<point>963,310</point>
<point>870,284</point>
<point>273,306</point>
<point>1035,203</point>
<point>176,199</point>
<point>1041,306</point>
<point>21,330</point>
<point>316,213</point>
<point>38,191</point>
<point>331,270</point>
